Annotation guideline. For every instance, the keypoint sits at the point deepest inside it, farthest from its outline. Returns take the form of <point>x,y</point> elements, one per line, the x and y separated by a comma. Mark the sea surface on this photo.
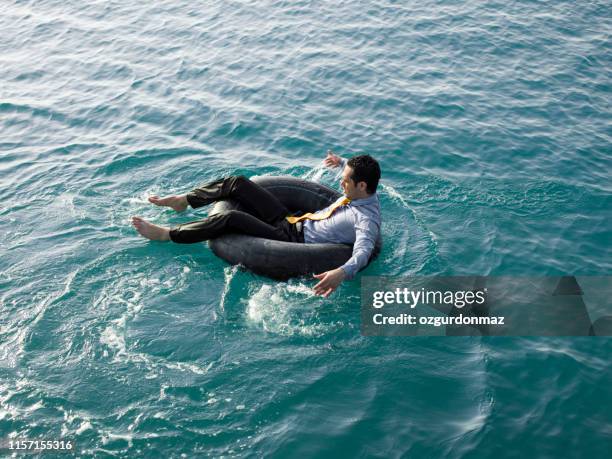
<point>492,124</point>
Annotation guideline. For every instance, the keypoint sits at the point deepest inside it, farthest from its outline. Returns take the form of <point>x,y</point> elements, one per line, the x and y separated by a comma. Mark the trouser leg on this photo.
<point>255,199</point>
<point>232,221</point>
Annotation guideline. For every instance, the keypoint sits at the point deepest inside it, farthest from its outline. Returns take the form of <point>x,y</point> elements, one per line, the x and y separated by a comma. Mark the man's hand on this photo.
<point>329,281</point>
<point>332,160</point>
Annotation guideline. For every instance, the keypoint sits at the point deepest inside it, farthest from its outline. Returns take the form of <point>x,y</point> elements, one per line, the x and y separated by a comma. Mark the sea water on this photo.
<point>491,122</point>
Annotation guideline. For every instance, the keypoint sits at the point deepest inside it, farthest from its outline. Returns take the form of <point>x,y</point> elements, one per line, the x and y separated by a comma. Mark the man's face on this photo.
<point>347,184</point>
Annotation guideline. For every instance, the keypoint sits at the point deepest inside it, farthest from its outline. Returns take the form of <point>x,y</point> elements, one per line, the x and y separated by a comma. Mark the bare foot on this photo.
<point>150,231</point>
<point>177,202</point>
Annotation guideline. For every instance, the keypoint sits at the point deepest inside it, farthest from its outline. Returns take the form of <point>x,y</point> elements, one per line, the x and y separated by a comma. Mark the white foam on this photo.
<point>285,309</point>
<point>228,273</point>
<point>86,425</point>
<point>72,419</point>
<point>182,366</point>
<point>395,195</point>
<point>315,174</point>
<point>114,338</point>
<point>108,436</point>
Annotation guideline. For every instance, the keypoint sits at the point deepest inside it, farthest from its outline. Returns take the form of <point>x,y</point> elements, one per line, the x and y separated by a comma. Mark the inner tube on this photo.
<point>278,259</point>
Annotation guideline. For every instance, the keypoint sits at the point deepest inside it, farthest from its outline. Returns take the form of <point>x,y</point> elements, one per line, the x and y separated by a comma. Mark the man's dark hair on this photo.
<point>365,169</point>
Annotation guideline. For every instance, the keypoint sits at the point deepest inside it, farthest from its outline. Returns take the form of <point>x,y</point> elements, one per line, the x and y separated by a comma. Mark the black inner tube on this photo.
<point>284,260</point>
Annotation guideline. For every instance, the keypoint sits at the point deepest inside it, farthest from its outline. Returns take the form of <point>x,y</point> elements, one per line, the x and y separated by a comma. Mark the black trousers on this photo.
<point>264,215</point>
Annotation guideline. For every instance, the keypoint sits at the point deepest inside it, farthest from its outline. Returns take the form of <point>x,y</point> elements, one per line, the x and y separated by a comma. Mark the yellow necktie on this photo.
<point>320,216</point>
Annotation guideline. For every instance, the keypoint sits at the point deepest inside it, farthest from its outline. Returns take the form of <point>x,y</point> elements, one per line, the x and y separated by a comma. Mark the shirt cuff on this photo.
<point>349,270</point>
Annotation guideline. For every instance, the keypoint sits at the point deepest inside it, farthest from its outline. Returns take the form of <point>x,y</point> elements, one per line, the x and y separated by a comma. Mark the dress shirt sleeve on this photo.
<point>365,239</point>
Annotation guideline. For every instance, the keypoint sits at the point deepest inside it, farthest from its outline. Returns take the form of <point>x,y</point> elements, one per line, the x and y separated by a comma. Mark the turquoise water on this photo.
<point>491,121</point>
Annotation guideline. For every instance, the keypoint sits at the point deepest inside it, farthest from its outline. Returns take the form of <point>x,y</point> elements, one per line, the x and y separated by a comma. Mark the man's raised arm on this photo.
<point>333,160</point>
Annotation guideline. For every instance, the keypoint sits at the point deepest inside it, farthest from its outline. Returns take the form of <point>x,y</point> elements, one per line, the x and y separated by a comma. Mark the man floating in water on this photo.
<point>353,220</point>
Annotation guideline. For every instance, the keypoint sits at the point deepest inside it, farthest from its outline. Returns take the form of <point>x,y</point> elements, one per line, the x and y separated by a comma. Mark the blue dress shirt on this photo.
<point>356,223</point>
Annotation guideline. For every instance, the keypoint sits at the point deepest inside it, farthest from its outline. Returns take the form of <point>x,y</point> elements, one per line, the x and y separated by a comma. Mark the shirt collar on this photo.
<point>365,201</point>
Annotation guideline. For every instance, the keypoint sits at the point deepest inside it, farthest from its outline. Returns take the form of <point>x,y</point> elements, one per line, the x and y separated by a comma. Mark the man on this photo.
<point>354,222</point>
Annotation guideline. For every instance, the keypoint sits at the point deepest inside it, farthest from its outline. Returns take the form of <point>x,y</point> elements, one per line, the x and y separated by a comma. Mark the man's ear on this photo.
<point>362,186</point>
